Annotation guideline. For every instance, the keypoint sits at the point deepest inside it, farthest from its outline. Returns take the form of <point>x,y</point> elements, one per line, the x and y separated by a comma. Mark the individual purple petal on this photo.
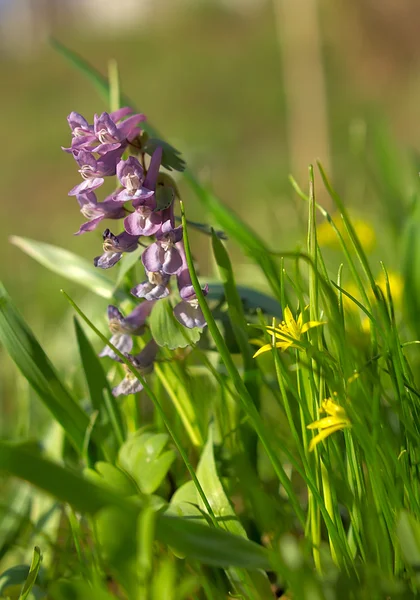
<point>143,221</point>
<point>90,225</point>
<point>150,181</point>
<point>136,319</point>
<point>120,113</point>
<point>172,261</point>
<point>189,314</point>
<point>131,175</point>
<point>128,129</point>
<point>129,385</point>
<point>153,289</point>
<point>86,186</point>
<point>122,341</point>
<point>143,361</point>
<point>153,257</point>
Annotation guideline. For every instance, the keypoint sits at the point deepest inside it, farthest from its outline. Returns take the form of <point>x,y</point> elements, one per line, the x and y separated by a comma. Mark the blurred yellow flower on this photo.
<point>335,421</point>
<point>288,332</point>
<point>396,285</point>
<point>364,231</point>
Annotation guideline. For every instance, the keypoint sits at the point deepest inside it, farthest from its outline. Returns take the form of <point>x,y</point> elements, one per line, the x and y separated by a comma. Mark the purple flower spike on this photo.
<point>123,328</point>
<point>114,247</point>
<point>96,211</point>
<point>163,255</point>
<point>155,288</point>
<point>143,362</point>
<point>131,175</point>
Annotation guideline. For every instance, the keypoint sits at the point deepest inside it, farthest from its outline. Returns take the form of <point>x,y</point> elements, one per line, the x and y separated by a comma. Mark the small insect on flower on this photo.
<point>335,421</point>
<point>288,332</point>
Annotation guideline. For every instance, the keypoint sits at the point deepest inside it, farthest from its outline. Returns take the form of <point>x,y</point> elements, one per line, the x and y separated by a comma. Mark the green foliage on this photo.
<point>167,331</point>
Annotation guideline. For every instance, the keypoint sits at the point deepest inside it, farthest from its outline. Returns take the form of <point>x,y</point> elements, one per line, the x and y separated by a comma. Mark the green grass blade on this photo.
<point>247,402</point>
<point>99,389</point>
<point>68,265</point>
<point>32,575</point>
<point>36,367</point>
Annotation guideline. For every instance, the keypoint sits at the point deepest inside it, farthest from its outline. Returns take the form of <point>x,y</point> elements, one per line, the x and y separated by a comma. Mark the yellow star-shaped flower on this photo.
<point>288,332</point>
<point>335,421</point>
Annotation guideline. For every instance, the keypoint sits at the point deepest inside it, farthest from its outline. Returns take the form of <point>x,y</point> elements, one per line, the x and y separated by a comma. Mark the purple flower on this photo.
<point>114,247</point>
<point>108,130</point>
<point>131,175</point>
<point>143,362</point>
<point>143,221</point>
<point>96,211</point>
<point>122,328</point>
<point>94,170</point>
<point>163,255</point>
<point>155,288</point>
<point>188,311</point>
<point>112,133</point>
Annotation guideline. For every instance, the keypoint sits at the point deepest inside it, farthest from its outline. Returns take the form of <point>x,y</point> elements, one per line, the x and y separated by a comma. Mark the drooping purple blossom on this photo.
<point>144,220</point>
<point>188,311</point>
<point>122,328</point>
<point>163,255</point>
<point>131,175</point>
<point>155,288</point>
<point>94,170</point>
<point>114,246</point>
<point>96,211</point>
<point>143,362</point>
<point>112,133</point>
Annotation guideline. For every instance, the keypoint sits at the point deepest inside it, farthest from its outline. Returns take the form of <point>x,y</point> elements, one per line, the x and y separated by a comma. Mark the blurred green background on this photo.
<point>248,90</point>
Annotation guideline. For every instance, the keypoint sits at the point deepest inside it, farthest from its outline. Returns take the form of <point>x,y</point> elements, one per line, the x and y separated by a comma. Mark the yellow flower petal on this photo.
<point>322,435</point>
<point>328,422</point>
<point>311,324</point>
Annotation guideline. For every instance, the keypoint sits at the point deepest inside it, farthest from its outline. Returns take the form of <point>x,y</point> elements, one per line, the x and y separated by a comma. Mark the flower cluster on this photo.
<point>116,146</point>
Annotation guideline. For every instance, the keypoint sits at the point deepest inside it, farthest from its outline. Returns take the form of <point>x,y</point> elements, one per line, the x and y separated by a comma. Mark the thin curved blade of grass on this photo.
<point>32,575</point>
<point>99,389</point>
<point>68,265</point>
<point>34,364</point>
<point>209,545</point>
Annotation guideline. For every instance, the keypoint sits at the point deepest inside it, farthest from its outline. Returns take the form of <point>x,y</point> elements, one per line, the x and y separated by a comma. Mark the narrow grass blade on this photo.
<point>67,265</point>
<point>99,389</point>
<point>247,402</point>
<point>36,367</point>
<point>32,575</point>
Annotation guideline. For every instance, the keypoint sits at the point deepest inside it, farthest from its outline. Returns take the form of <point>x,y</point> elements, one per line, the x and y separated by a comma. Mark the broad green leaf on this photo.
<point>32,575</point>
<point>144,458</point>
<point>248,583</point>
<point>215,493</point>
<point>184,504</point>
<point>112,478</point>
<point>36,367</point>
<point>67,264</point>
<point>408,533</point>
<point>128,261</point>
<point>209,545</point>
<point>251,299</point>
<point>164,197</point>
<point>166,330</point>
<point>99,389</point>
